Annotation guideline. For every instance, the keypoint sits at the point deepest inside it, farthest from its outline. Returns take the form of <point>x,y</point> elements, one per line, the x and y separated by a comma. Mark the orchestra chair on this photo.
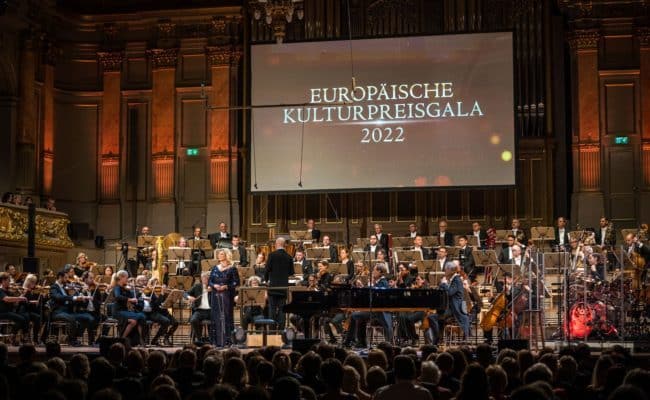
<point>263,324</point>
<point>453,335</point>
<point>7,331</point>
<point>110,322</point>
<point>204,335</point>
<point>62,329</point>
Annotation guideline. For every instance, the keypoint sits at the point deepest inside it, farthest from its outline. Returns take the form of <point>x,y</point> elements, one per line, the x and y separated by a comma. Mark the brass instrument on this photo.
<point>160,256</point>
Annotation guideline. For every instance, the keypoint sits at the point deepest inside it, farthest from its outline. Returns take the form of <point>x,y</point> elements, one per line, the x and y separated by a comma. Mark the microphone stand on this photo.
<point>370,285</point>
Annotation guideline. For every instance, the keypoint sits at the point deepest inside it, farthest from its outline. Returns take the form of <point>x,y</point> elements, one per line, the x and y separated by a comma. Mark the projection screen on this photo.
<point>408,112</point>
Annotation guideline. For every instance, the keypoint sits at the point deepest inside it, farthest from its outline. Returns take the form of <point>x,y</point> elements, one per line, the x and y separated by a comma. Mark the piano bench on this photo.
<point>264,324</point>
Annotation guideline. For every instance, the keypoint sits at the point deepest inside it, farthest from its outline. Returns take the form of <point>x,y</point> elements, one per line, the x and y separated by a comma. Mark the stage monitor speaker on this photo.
<point>514,344</point>
<point>30,265</point>
<point>303,345</point>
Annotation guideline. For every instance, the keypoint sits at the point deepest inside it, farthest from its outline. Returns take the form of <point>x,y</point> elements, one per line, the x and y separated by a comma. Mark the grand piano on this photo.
<point>308,304</point>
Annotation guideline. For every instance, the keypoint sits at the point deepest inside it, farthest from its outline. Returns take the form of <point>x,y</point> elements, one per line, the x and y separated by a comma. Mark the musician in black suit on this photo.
<point>382,238</point>
<point>561,234</point>
<point>222,236</point>
<point>236,245</point>
<point>197,253</point>
<point>518,232</point>
<point>334,251</point>
<point>445,237</point>
<point>417,245</point>
<point>465,257</point>
<point>373,247</point>
<point>605,235</point>
<point>62,305</point>
<point>480,234</point>
<point>506,251</point>
<point>307,267</point>
<point>413,231</point>
<point>311,227</point>
<point>634,245</point>
<point>199,297</point>
<point>279,267</point>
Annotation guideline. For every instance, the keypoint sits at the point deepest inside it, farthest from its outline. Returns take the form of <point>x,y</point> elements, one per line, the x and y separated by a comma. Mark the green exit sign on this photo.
<point>192,152</point>
<point>621,140</point>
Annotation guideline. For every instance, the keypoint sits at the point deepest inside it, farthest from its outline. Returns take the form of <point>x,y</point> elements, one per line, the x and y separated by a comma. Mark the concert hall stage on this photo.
<point>639,350</point>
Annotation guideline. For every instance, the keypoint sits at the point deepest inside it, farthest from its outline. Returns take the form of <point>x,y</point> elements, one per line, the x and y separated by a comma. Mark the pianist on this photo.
<point>359,319</point>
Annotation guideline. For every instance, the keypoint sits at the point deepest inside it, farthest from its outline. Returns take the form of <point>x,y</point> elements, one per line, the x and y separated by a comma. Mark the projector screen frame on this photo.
<point>250,107</point>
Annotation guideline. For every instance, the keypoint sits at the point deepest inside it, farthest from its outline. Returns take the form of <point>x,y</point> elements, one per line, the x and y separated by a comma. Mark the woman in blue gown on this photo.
<point>224,280</point>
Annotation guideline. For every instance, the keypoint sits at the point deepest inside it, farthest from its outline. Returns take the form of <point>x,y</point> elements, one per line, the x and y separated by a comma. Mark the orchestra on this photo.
<point>83,300</point>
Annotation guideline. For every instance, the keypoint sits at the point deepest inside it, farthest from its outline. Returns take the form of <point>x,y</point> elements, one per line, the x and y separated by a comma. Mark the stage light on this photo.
<point>495,139</point>
<point>506,155</point>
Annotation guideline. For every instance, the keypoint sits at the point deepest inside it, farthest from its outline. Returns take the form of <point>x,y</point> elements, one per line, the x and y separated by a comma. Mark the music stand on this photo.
<point>408,255</point>
<point>401,242</point>
<point>176,254</point>
<point>434,278</point>
<point>542,235</point>
<point>207,265</point>
<point>487,259</point>
<point>251,296</point>
<point>452,252</point>
<point>361,256</point>
<point>179,282</point>
<point>558,260</point>
<point>473,241</point>
<point>104,279</point>
<point>245,273</point>
<point>318,253</point>
<point>362,242</point>
<point>424,266</point>
<point>146,241</point>
<point>502,235</point>
<point>297,268</point>
<point>430,241</point>
<point>337,269</point>
<point>299,236</point>
<point>175,296</point>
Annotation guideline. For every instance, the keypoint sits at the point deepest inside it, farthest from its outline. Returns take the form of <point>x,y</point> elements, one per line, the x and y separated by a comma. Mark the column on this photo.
<point>223,201</point>
<point>109,143</point>
<point>587,200</point>
<point>162,212</point>
<point>47,155</point>
<point>643,35</point>
<point>26,144</point>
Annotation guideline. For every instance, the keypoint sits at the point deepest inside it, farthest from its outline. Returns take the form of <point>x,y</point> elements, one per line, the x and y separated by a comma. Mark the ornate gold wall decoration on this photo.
<point>51,228</point>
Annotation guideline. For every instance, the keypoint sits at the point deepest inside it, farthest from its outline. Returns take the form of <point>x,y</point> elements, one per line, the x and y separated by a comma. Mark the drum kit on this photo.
<point>599,307</point>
